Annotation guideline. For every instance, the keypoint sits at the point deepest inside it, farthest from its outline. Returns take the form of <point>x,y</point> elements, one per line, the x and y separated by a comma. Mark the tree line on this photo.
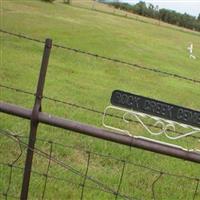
<point>64,1</point>
<point>172,17</point>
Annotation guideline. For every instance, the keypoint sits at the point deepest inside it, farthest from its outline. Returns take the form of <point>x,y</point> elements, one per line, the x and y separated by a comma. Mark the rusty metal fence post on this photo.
<point>34,120</point>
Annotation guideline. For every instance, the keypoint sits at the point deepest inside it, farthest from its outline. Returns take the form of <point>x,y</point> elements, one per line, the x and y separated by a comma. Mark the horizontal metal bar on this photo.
<point>103,134</point>
<point>15,110</point>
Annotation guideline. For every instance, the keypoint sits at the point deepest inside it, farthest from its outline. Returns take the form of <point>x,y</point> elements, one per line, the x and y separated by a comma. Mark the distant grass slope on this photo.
<point>101,7</point>
<point>89,81</point>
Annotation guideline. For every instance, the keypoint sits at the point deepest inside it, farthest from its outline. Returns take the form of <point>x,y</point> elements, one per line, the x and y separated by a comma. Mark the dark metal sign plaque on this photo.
<point>156,108</point>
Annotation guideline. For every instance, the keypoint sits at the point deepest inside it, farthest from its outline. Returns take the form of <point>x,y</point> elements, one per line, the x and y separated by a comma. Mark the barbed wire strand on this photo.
<point>17,90</point>
<point>131,65</point>
<point>47,171</point>
<point>86,108</point>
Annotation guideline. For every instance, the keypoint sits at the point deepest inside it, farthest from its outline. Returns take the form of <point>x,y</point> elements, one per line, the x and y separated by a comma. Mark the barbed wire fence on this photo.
<point>117,192</point>
<point>98,185</point>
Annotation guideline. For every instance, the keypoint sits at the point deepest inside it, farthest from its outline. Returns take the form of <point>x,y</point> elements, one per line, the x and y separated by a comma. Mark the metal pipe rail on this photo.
<point>93,131</point>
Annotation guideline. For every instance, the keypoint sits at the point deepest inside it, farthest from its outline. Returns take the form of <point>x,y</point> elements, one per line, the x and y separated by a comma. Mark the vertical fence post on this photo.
<point>34,120</point>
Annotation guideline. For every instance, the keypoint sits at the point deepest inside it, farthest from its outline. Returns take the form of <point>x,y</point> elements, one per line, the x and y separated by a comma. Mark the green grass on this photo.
<point>89,81</point>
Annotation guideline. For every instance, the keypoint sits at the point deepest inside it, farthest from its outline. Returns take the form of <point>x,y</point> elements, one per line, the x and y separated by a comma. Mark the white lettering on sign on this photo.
<point>158,108</point>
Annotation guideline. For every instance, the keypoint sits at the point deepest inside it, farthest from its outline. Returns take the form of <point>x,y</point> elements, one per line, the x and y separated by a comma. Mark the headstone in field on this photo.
<point>190,49</point>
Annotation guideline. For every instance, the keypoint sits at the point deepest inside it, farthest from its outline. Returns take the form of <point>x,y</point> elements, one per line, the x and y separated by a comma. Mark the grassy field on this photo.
<point>96,6</point>
<point>89,81</point>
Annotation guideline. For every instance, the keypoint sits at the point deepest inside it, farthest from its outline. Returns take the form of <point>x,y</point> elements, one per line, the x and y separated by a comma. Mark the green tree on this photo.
<point>164,15</point>
<point>141,8</point>
<point>67,1</point>
<point>50,1</point>
<point>198,17</point>
<point>149,10</point>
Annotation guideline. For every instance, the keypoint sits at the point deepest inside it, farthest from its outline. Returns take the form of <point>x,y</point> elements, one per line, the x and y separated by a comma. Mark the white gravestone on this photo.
<point>190,49</point>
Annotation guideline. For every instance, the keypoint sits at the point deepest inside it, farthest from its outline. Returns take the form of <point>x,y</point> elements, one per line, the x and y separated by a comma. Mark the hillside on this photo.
<point>88,81</point>
<point>100,7</point>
